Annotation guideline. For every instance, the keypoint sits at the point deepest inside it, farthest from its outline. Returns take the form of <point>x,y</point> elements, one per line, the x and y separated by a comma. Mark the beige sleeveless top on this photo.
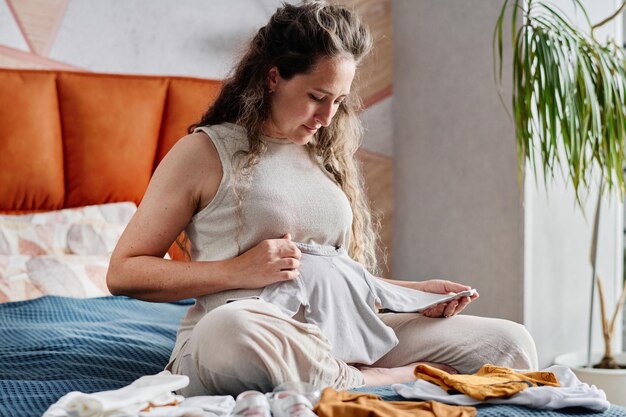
<point>288,192</point>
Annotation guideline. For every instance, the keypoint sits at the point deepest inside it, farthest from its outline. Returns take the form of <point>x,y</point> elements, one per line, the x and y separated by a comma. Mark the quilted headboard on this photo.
<point>71,139</point>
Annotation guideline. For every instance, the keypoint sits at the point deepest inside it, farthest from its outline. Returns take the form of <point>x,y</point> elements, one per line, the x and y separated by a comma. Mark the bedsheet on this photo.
<point>52,345</point>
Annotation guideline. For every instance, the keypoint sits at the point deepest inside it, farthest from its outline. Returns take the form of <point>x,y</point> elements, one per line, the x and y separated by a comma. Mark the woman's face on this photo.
<point>306,102</point>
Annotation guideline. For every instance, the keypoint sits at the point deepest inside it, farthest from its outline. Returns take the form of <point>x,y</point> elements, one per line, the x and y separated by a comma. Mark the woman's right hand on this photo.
<point>270,261</point>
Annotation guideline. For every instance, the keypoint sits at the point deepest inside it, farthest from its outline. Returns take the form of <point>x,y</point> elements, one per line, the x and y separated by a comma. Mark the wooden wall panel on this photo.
<point>39,20</point>
<point>378,175</point>
<point>375,73</point>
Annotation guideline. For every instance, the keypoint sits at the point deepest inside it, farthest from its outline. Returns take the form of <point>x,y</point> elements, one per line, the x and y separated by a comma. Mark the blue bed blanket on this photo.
<point>53,345</point>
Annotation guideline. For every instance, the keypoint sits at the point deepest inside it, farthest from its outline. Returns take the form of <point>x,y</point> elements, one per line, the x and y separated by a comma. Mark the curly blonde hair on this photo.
<point>294,40</point>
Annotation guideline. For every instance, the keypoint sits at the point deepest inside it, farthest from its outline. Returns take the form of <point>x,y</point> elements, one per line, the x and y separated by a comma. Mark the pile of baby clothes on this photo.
<point>550,389</point>
<point>439,394</point>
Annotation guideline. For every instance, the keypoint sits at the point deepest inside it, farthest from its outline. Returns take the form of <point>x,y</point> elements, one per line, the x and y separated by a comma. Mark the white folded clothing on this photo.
<point>127,401</point>
<point>571,393</point>
<point>220,405</point>
<point>201,406</point>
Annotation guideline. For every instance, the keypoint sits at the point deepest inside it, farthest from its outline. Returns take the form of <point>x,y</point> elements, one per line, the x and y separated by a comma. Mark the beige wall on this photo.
<point>458,212</point>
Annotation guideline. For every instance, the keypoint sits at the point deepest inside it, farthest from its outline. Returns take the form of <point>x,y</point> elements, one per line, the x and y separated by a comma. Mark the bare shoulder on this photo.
<point>195,155</point>
<point>194,163</point>
<point>195,148</point>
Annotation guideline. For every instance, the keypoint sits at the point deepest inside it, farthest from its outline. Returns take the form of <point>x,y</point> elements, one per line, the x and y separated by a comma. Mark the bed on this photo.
<point>76,153</point>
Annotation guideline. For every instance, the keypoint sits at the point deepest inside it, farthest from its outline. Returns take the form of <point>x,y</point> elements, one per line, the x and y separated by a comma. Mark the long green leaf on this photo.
<point>569,96</point>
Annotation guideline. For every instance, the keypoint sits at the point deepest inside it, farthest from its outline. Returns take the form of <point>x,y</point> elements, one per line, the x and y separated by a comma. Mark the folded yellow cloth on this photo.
<point>343,403</point>
<point>489,382</point>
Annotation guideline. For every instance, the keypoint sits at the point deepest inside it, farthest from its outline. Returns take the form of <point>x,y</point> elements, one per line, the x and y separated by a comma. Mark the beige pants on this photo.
<point>251,345</point>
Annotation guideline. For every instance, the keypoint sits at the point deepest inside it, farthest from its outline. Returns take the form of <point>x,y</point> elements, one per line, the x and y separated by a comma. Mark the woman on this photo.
<point>272,163</point>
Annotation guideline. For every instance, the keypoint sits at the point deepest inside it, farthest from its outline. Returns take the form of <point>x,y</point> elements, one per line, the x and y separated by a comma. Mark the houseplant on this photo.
<point>569,98</point>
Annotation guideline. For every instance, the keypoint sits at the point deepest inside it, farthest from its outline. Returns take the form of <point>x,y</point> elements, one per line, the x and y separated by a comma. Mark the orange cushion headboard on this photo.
<point>31,149</point>
<point>70,139</point>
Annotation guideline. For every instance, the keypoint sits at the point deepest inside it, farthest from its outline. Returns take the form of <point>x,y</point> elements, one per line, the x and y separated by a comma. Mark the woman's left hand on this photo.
<point>439,286</point>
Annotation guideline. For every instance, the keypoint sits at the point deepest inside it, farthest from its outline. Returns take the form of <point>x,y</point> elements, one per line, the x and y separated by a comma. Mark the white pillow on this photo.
<point>89,230</point>
<point>24,277</point>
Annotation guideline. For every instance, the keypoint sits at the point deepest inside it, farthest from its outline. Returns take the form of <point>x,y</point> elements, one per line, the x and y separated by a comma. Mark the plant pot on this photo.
<point>612,381</point>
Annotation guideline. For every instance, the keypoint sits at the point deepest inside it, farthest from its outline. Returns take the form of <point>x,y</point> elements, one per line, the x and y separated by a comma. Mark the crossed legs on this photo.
<point>250,344</point>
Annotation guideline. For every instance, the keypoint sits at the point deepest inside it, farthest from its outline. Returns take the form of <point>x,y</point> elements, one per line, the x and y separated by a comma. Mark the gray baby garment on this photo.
<point>342,298</point>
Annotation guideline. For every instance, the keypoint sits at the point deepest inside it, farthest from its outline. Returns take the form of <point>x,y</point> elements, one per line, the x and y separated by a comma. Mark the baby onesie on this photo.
<point>342,298</point>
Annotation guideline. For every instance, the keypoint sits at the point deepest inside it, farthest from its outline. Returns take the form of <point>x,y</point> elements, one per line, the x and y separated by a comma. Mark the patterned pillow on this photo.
<point>64,252</point>
<point>24,277</point>
<point>89,230</point>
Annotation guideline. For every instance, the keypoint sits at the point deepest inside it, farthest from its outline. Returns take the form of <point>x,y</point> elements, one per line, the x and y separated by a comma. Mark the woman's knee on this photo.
<point>511,345</point>
<point>237,347</point>
<point>225,335</point>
